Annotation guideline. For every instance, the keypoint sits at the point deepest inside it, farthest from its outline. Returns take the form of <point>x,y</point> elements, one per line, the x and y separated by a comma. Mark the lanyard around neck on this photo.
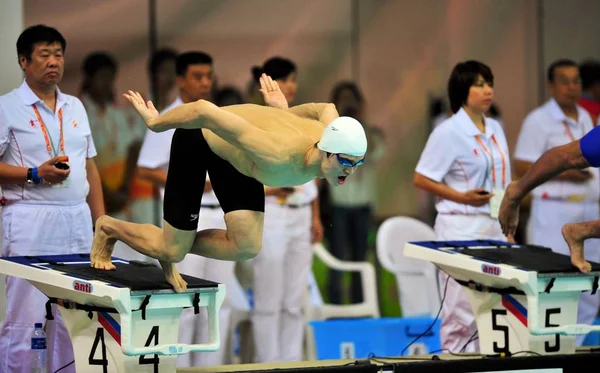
<point>49,144</point>
<point>489,152</point>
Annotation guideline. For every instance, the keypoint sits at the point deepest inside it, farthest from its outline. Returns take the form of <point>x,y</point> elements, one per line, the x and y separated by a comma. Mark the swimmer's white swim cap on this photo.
<point>344,135</point>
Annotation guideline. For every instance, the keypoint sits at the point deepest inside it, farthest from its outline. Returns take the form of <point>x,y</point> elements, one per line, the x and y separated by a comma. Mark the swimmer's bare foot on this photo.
<point>574,236</point>
<point>173,277</point>
<point>103,245</point>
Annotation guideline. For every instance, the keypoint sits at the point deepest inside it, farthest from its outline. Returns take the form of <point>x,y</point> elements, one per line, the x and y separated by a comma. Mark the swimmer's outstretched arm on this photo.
<point>193,115</point>
<point>204,114</point>
<point>180,117</point>
<point>187,116</point>
<point>577,154</point>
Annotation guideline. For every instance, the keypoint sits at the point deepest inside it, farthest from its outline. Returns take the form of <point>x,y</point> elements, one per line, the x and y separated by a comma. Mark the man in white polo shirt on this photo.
<point>281,273</point>
<point>48,208</point>
<point>573,195</point>
<point>283,267</point>
<point>195,81</point>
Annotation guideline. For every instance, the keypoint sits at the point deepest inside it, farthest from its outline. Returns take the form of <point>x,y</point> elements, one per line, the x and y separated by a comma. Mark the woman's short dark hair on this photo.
<point>462,78</point>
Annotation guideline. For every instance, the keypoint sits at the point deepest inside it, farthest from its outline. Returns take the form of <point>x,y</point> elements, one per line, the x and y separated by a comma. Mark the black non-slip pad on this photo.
<point>532,258</point>
<point>135,275</point>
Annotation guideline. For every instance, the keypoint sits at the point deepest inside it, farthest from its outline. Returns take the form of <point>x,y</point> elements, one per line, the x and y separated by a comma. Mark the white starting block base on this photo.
<point>97,341</point>
<point>502,322</point>
<point>516,308</point>
<point>120,326</point>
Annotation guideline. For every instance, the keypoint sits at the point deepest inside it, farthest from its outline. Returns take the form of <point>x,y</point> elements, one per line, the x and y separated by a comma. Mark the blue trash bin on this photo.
<point>593,338</point>
<point>380,337</point>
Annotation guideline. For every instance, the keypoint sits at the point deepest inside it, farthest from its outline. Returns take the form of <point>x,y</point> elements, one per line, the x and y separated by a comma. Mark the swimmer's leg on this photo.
<point>575,234</point>
<point>241,241</point>
<point>169,245</point>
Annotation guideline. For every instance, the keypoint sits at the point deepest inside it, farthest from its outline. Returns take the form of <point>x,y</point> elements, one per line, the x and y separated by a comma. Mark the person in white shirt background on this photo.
<point>47,210</point>
<point>162,76</point>
<point>351,205</point>
<point>466,165</point>
<point>281,269</point>
<point>117,133</point>
<point>195,81</point>
<point>573,196</point>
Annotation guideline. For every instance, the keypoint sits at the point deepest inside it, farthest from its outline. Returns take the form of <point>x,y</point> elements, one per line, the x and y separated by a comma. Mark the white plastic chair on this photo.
<point>417,279</point>
<point>315,309</point>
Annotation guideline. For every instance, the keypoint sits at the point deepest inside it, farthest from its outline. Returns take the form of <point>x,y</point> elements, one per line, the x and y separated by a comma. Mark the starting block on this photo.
<point>524,297</point>
<point>124,320</point>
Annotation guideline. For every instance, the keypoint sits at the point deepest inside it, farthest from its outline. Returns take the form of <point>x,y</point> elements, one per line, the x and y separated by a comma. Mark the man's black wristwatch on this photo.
<point>33,177</point>
<point>29,176</point>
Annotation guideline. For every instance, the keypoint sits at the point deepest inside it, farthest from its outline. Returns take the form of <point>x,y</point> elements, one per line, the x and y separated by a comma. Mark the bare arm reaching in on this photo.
<point>574,155</point>
<point>550,164</point>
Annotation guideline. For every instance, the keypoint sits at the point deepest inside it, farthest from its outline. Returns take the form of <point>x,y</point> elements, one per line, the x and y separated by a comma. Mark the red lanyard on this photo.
<point>568,129</point>
<point>61,140</point>
<point>487,151</point>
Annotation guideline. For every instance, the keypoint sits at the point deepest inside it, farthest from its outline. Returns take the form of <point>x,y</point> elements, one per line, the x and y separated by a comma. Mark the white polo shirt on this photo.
<point>546,127</point>
<point>303,195</point>
<point>22,143</point>
<point>460,156</point>
<point>156,152</point>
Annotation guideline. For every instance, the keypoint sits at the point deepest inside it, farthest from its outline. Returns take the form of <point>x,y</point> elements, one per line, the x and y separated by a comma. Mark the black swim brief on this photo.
<point>190,159</point>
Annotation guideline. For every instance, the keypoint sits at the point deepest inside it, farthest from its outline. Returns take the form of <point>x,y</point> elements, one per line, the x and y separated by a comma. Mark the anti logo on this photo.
<point>82,286</point>
<point>490,269</point>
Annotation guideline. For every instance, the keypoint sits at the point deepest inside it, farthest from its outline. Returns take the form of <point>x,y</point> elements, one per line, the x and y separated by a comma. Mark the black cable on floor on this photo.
<point>434,320</point>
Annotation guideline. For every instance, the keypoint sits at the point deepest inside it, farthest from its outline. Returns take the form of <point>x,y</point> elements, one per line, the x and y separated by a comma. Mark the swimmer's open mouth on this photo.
<point>341,179</point>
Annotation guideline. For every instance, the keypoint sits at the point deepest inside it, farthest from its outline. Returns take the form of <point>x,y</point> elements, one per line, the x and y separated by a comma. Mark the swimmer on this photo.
<point>578,154</point>
<point>243,148</point>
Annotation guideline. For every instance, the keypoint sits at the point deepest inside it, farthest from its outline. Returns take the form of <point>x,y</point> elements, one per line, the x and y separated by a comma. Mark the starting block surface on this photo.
<point>525,257</point>
<point>137,276</point>
<point>119,319</point>
<point>524,297</point>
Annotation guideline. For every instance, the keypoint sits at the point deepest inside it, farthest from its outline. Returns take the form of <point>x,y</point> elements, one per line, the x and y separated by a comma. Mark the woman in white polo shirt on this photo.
<point>465,164</point>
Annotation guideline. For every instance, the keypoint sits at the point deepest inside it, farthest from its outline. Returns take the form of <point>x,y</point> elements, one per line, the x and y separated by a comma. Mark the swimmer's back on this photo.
<point>278,120</point>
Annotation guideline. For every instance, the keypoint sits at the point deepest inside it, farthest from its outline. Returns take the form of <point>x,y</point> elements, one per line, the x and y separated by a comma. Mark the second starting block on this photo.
<point>524,297</point>
<point>124,320</point>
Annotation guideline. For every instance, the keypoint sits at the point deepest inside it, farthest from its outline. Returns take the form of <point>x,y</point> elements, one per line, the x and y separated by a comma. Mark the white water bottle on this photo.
<point>38,350</point>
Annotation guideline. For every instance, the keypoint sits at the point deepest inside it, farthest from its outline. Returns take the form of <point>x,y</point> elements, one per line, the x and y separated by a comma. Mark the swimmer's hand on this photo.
<point>508,215</point>
<point>272,93</point>
<point>146,109</point>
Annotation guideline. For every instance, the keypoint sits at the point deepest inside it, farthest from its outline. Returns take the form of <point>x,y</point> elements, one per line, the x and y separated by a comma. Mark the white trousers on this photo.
<point>546,221</point>
<point>33,229</point>
<point>193,328</point>
<point>458,320</point>
<point>281,272</point>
